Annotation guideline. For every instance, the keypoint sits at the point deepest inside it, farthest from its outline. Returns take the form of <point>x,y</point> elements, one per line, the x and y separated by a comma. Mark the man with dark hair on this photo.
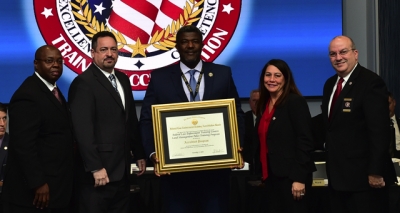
<point>106,126</point>
<point>251,152</point>
<point>4,138</point>
<point>200,191</point>
<point>355,110</point>
<point>39,171</point>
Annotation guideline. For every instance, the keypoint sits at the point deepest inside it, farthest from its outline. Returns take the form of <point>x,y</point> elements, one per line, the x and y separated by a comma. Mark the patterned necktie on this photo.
<point>55,92</point>
<point>113,82</point>
<point>193,84</point>
<point>336,95</point>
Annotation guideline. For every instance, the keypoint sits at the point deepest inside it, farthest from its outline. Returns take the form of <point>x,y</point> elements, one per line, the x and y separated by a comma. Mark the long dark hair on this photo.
<point>288,87</point>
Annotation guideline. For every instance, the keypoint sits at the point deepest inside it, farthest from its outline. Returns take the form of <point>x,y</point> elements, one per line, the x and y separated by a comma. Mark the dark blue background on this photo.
<point>297,31</point>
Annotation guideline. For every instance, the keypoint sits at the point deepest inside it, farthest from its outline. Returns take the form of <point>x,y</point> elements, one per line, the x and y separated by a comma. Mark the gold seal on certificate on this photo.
<point>194,136</point>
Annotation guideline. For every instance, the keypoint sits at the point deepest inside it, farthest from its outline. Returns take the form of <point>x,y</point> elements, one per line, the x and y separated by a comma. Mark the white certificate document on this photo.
<point>196,136</point>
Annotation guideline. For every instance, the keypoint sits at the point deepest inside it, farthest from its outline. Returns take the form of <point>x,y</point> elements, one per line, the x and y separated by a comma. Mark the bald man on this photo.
<point>355,110</point>
<point>39,170</point>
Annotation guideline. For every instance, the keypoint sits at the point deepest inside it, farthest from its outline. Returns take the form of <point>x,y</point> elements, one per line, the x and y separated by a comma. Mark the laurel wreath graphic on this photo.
<point>161,40</point>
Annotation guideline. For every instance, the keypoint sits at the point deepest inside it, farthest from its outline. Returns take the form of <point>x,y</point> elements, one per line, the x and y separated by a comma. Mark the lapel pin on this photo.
<point>350,83</point>
<point>210,74</point>
<point>273,118</point>
<point>5,148</point>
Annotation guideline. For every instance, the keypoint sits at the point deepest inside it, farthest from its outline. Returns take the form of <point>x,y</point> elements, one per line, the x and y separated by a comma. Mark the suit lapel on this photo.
<point>276,116</point>
<point>50,95</point>
<point>127,90</point>
<point>346,89</point>
<point>102,79</point>
<point>208,77</point>
<point>176,78</point>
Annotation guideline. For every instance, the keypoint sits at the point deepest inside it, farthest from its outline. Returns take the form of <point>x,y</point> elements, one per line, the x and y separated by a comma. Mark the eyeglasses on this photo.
<point>341,52</point>
<point>104,50</point>
<point>51,61</point>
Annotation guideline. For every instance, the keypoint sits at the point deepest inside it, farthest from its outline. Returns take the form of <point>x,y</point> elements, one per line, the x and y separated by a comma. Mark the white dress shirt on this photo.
<point>185,70</point>
<point>119,87</point>
<point>334,87</point>
<point>397,132</point>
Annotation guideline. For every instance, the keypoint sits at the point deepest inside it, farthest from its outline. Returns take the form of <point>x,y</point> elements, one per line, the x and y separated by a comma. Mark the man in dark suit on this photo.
<point>4,138</point>
<point>251,153</point>
<point>200,191</point>
<point>357,143</point>
<point>318,129</point>
<point>106,126</point>
<point>395,133</point>
<point>39,170</point>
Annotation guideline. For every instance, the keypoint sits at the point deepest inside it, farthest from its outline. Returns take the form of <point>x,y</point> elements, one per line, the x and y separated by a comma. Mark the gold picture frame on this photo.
<point>192,136</point>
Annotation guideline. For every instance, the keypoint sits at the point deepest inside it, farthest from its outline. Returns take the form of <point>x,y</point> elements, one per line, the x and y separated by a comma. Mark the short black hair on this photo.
<point>101,35</point>
<point>188,29</point>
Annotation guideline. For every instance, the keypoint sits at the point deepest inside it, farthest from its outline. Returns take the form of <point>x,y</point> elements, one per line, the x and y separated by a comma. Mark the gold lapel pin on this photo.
<point>210,74</point>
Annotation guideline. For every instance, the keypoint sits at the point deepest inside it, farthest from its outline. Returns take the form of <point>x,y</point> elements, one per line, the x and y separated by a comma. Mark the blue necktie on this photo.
<point>193,84</point>
<point>113,82</point>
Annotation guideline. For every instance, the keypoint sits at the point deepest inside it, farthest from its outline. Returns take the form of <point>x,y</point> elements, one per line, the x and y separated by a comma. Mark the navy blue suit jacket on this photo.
<point>166,87</point>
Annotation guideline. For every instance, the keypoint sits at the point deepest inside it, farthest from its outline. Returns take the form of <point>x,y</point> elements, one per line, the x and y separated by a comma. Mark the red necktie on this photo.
<point>336,95</point>
<point>55,92</point>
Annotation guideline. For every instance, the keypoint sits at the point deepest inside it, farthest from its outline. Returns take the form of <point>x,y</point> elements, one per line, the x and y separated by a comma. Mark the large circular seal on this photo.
<point>145,30</point>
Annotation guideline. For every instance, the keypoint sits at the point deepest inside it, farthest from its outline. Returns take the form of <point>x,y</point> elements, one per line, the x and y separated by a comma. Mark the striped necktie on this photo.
<point>113,82</point>
<point>193,84</point>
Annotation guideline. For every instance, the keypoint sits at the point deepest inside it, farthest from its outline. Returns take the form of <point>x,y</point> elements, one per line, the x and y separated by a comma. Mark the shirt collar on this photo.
<point>186,69</point>
<point>346,78</point>
<point>48,84</point>
<point>104,72</point>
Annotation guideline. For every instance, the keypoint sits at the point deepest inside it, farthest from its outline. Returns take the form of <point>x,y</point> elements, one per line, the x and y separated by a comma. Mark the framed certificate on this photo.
<point>193,136</point>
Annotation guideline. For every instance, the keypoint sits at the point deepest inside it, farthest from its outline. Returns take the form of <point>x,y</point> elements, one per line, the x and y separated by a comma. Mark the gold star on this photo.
<point>138,48</point>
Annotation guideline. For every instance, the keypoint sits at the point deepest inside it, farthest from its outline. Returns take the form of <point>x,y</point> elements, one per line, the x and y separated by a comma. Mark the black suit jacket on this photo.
<point>166,87</point>
<point>105,131</point>
<point>3,155</point>
<point>290,140</point>
<point>41,150</point>
<point>318,127</point>
<point>357,141</point>
<point>251,151</point>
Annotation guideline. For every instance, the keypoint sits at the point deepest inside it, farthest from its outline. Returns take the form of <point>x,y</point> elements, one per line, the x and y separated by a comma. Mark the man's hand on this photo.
<point>155,163</point>
<point>240,166</point>
<point>298,190</point>
<point>42,196</point>
<point>100,177</point>
<point>142,166</point>
<point>376,181</point>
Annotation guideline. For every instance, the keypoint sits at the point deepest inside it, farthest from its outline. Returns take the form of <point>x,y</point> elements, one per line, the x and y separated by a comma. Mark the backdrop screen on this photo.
<point>243,34</point>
